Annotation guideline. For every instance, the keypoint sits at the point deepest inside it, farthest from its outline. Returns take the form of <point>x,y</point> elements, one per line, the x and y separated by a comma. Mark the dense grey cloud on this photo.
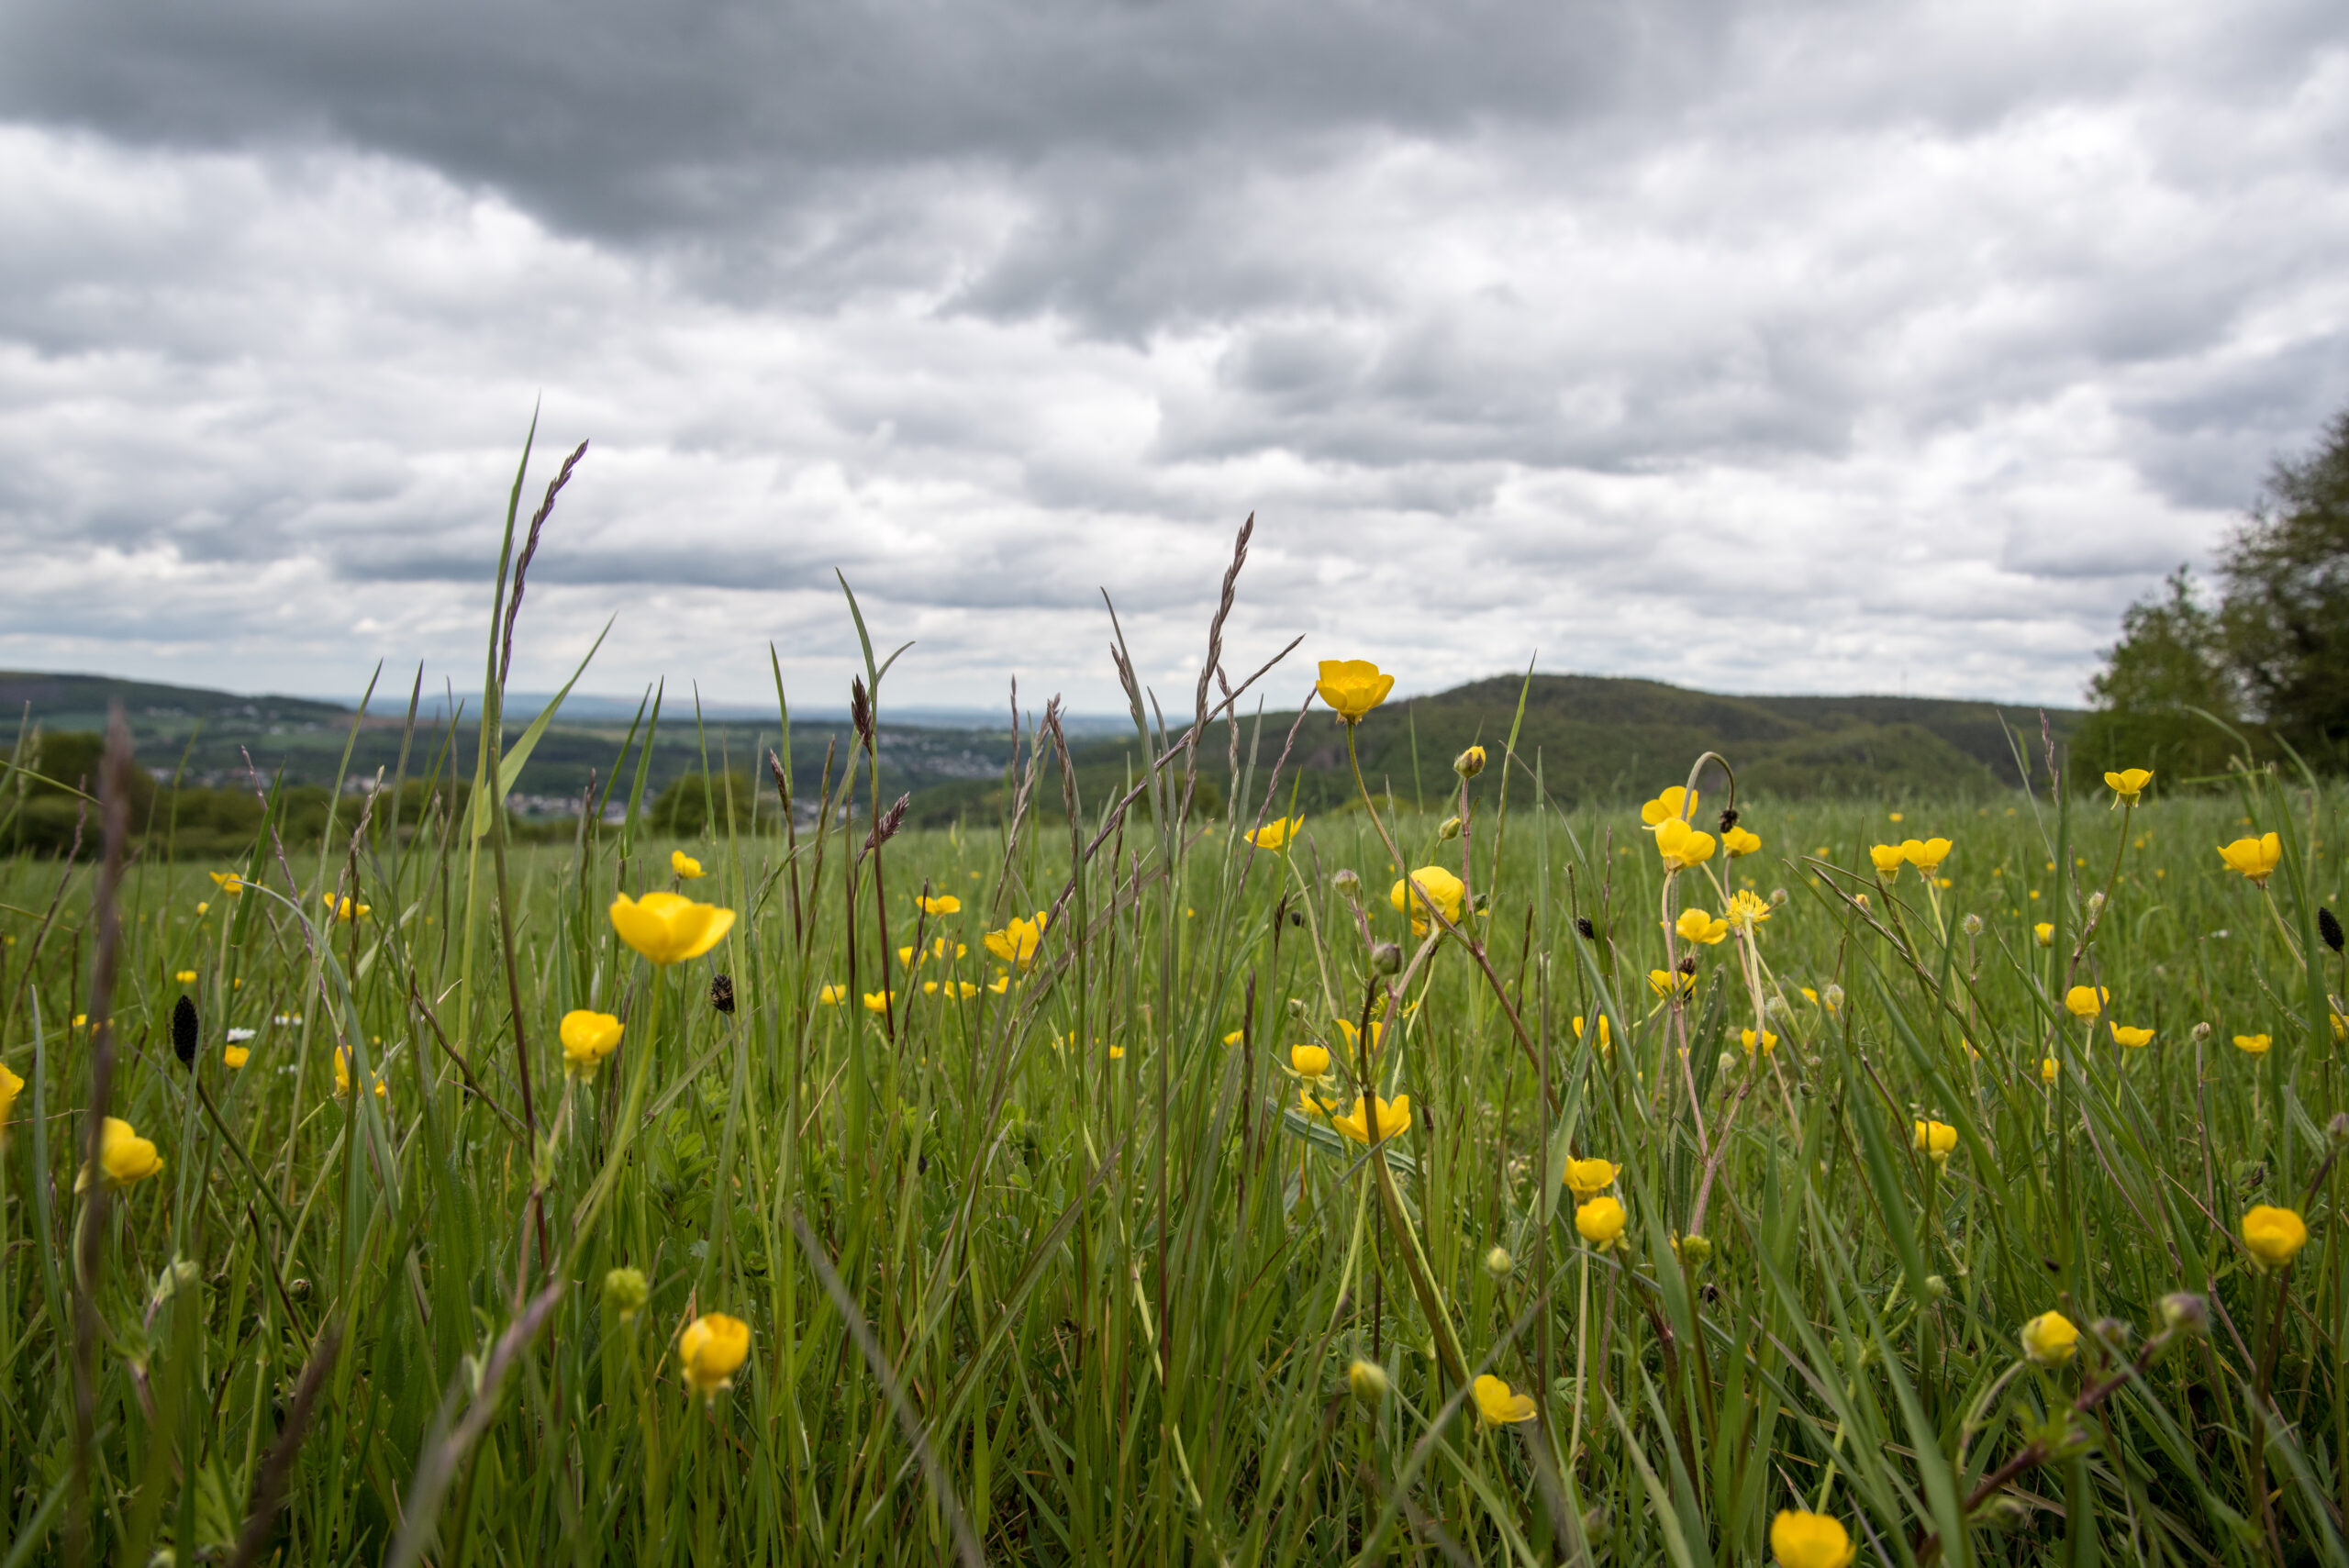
<point>1783,347</point>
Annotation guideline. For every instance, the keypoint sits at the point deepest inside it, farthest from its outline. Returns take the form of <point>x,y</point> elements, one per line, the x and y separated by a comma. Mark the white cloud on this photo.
<point>1857,342</point>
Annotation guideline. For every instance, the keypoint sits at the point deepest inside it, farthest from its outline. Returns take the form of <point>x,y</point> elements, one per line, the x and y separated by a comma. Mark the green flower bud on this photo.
<point>1368,1380</point>
<point>626,1291</point>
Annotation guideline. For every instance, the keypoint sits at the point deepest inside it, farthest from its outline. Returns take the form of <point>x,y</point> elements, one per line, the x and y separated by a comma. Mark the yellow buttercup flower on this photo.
<point>685,865</point>
<point>587,1039</point>
<point>2253,1044</point>
<point>944,904</point>
<point>2129,784</point>
<point>2050,1339</point>
<point>965,989</point>
<point>2130,1036</point>
<point>1937,1139</point>
<point>1018,941</point>
<point>1313,1109</point>
<point>1394,1120</point>
<point>2274,1236</point>
<point>1765,1040</point>
<point>185,977</point>
<point>1671,982</point>
<point>123,1155</point>
<point>344,909</point>
<point>1799,1539</point>
<point>1926,854</point>
<point>1672,805</point>
<point>1000,984</point>
<point>1606,1035</point>
<point>1469,763</point>
<point>878,1001</point>
<point>10,1086</point>
<point>2255,858</point>
<point>1429,883</point>
<point>1235,1036</point>
<point>236,1055</point>
<point>1601,1221</point>
<point>669,927</point>
<point>832,996</point>
<point>1588,1178</point>
<point>1498,1404</point>
<point>1888,858</point>
<point>1308,1060</point>
<point>342,1075</point>
<point>1696,925</point>
<point>1740,841</point>
<point>711,1350</point>
<point>1681,846</point>
<point>229,883</point>
<point>2047,1069</point>
<point>1747,909</point>
<point>2045,933</point>
<point>2086,1001</point>
<point>1275,834</point>
<point>1352,688</point>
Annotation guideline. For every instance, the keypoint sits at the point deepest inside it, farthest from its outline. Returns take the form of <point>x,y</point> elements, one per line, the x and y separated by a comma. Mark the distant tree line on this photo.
<point>48,806</point>
<point>2269,656</point>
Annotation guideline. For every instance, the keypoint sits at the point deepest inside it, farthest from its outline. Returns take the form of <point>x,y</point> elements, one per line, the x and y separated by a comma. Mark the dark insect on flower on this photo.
<point>185,1026</point>
<point>2327,926</point>
<point>1589,932</point>
<point>1729,820</point>
<point>721,992</point>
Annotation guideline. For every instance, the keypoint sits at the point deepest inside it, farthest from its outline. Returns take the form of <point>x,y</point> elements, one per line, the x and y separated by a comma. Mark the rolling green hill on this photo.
<point>1603,738</point>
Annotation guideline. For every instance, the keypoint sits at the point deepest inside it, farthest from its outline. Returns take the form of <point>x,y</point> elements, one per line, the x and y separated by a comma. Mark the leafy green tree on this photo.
<point>2172,660</point>
<point>2287,601</point>
<point>2272,657</point>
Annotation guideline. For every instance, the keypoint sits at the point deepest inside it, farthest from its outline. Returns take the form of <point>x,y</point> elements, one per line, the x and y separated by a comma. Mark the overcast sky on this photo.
<point>1771,348</point>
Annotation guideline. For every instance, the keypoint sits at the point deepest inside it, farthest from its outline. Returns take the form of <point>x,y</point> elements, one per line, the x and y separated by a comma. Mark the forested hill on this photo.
<point>1604,739</point>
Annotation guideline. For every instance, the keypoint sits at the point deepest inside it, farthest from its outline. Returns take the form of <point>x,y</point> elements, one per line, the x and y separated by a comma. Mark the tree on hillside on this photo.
<point>2273,652</point>
<point>2286,602</point>
<point>2170,662</point>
